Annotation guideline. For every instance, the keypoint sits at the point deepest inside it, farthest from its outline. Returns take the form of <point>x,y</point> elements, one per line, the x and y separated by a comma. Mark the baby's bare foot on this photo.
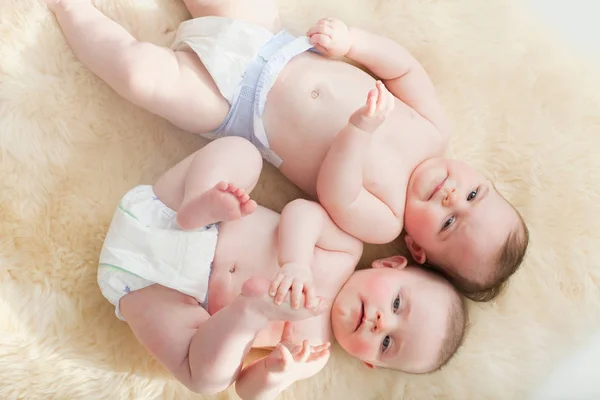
<point>257,291</point>
<point>224,202</point>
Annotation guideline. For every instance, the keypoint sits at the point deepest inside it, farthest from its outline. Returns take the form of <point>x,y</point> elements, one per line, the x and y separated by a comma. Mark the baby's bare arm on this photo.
<point>402,74</point>
<point>367,217</point>
<point>152,77</point>
<point>305,225</point>
<point>340,186</point>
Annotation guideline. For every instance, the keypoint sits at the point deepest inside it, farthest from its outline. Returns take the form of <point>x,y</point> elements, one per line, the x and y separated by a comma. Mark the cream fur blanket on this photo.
<point>524,110</point>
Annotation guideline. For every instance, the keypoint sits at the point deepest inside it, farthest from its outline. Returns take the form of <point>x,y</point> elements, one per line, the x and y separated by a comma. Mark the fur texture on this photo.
<point>523,108</point>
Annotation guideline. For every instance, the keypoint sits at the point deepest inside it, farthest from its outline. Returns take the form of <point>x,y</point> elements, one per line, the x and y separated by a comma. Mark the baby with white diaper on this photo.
<point>199,299</point>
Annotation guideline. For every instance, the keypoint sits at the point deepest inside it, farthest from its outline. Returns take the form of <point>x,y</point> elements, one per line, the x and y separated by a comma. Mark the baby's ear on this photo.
<point>417,252</point>
<point>398,262</point>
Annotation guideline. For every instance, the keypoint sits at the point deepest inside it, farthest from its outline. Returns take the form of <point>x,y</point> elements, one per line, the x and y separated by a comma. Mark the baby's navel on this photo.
<point>315,94</point>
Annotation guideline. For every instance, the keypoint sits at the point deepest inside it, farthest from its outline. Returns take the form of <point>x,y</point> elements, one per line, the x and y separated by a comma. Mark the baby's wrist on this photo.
<point>352,33</point>
<point>361,127</point>
<point>294,265</point>
<point>280,379</point>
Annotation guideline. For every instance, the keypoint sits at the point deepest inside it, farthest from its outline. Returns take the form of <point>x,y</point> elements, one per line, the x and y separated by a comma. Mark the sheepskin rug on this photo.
<point>525,109</point>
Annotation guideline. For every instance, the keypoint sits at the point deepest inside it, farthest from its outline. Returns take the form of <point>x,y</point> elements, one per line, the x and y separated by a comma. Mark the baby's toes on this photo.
<point>222,186</point>
<point>242,196</point>
<point>249,207</point>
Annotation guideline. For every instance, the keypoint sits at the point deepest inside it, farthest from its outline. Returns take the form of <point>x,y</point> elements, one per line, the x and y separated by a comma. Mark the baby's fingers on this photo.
<point>381,97</point>
<point>296,294</point>
<point>316,356</point>
<point>275,284</point>
<point>320,40</point>
<point>322,28</point>
<point>385,101</point>
<point>283,289</point>
<point>321,347</point>
<point>305,352</point>
<point>309,296</point>
<point>372,102</point>
<point>286,357</point>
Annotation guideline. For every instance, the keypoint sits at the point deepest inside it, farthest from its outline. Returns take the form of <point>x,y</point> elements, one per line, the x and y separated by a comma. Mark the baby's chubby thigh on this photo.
<point>164,321</point>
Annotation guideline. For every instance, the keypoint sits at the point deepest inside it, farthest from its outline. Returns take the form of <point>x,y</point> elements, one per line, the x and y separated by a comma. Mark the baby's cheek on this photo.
<point>360,348</point>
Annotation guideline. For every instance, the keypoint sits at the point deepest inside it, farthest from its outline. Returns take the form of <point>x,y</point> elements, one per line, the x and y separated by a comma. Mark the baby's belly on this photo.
<point>246,248</point>
<point>309,104</point>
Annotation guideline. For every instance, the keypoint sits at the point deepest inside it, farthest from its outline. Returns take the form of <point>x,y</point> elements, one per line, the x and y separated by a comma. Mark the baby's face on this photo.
<point>393,318</point>
<point>456,216</point>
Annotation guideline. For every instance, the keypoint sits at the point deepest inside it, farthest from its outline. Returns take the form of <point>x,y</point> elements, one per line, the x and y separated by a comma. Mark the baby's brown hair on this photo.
<point>456,325</point>
<point>509,259</point>
<point>455,334</point>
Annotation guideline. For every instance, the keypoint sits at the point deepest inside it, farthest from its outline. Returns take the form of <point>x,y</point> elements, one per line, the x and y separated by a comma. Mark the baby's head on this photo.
<point>458,223</point>
<point>399,317</point>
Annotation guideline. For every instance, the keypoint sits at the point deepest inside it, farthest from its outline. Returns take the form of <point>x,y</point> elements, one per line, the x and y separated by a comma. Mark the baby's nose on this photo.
<point>378,323</point>
<point>450,197</point>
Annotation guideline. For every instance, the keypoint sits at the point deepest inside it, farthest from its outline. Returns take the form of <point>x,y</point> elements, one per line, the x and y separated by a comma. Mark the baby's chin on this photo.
<point>421,178</point>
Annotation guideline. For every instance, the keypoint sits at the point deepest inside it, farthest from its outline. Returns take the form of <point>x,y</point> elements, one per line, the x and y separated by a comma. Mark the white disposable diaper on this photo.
<point>225,47</point>
<point>144,245</point>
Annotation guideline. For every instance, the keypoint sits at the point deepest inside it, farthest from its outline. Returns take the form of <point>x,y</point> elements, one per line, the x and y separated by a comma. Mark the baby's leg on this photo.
<point>211,185</point>
<point>259,12</point>
<point>173,85</point>
<point>204,352</point>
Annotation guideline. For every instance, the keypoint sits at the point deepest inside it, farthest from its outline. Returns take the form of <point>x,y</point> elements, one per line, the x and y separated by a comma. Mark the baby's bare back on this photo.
<point>248,247</point>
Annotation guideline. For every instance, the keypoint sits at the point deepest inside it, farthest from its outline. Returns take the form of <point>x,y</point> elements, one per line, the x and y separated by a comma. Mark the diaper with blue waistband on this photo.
<point>244,60</point>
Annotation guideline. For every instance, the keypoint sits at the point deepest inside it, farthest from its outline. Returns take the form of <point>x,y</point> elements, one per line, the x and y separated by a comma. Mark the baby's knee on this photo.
<point>208,384</point>
<point>244,153</point>
<point>236,146</point>
<point>243,146</point>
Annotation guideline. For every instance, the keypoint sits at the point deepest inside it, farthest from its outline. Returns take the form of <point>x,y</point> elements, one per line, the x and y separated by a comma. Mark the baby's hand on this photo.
<point>255,294</point>
<point>330,36</point>
<point>298,360</point>
<point>380,102</point>
<point>296,279</point>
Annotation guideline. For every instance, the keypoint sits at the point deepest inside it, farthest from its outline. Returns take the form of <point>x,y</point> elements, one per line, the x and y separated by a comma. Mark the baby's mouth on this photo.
<point>361,315</point>
<point>437,188</point>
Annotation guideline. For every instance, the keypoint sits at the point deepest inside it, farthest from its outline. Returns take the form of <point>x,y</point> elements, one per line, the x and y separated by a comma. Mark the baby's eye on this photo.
<point>448,223</point>
<point>396,303</point>
<point>385,344</point>
<point>472,195</point>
